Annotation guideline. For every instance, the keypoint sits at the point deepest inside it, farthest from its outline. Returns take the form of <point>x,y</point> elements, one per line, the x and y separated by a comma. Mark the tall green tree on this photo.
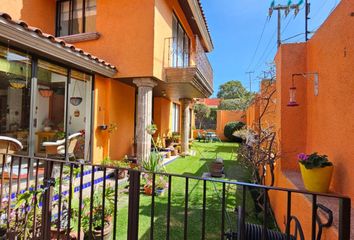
<point>232,90</point>
<point>202,112</point>
<point>235,96</point>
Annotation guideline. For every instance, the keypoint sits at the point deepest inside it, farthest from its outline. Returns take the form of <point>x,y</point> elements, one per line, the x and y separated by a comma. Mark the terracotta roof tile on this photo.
<point>205,20</point>
<point>54,39</point>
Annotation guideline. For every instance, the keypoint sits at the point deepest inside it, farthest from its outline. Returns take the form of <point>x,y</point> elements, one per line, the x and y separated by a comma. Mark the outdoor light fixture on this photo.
<point>17,83</point>
<point>45,92</point>
<point>292,90</point>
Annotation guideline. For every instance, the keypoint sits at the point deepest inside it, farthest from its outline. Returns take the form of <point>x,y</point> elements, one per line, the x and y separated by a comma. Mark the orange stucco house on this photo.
<point>151,64</point>
<point>322,121</point>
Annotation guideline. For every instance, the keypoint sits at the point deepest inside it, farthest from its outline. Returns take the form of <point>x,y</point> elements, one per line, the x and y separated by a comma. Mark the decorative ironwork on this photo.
<point>52,208</point>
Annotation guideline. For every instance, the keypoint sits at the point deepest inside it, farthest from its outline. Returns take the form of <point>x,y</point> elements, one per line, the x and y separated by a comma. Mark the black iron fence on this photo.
<point>53,199</point>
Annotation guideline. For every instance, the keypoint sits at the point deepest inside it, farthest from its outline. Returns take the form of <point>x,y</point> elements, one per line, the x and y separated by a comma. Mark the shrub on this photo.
<point>230,128</point>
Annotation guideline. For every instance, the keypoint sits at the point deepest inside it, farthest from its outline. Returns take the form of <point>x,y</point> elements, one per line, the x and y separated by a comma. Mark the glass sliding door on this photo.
<point>49,109</point>
<point>79,113</point>
<point>15,95</point>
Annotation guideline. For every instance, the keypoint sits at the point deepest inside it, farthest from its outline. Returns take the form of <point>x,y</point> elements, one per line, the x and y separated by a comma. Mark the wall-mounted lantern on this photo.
<point>292,90</point>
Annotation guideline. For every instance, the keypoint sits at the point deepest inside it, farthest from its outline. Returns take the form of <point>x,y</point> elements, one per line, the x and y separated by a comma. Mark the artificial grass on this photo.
<point>192,166</point>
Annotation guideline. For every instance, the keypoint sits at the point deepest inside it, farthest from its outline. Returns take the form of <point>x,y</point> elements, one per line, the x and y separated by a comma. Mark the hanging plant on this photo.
<point>76,100</point>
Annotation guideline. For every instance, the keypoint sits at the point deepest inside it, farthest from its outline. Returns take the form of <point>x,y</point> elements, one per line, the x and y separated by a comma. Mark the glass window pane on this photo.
<point>174,41</point>
<point>180,46</point>
<point>77,17</point>
<point>64,18</point>
<point>186,51</point>
<point>175,117</point>
<point>15,95</point>
<point>49,111</point>
<point>79,115</point>
<point>90,15</point>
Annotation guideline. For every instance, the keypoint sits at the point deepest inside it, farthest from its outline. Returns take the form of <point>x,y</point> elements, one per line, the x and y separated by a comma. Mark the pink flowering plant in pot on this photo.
<point>314,160</point>
<point>316,171</point>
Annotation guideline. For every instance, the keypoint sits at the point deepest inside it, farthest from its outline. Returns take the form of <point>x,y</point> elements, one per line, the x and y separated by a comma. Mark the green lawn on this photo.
<point>191,165</point>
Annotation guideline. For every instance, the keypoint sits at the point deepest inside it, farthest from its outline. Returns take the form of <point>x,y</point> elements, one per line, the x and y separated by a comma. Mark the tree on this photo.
<point>201,113</point>
<point>234,95</point>
<point>235,104</point>
<point>232,90</point>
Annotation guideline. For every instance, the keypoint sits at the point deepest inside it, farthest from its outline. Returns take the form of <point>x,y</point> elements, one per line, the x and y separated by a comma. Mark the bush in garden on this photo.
<point>230,128</point>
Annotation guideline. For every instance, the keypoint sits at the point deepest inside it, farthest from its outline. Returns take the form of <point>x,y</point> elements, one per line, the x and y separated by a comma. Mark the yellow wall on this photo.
<point>122,109</point>
<point>101,116</point>
<point>162,115</point>
<point>114,103</point>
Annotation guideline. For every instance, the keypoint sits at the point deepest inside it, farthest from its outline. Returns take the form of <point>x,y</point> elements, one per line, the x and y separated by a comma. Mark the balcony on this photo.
<point>189,70</point>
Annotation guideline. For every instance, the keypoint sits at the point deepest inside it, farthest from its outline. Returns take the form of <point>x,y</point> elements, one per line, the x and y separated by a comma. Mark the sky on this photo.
<point>236,28</point>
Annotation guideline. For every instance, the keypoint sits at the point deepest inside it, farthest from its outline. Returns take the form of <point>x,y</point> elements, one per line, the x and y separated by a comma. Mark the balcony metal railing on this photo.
<point>51,187</point>
<point>188,56</point>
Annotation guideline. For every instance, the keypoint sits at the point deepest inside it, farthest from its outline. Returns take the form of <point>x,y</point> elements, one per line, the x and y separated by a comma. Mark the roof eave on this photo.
<point>44,47</point>
<point>199,18</point>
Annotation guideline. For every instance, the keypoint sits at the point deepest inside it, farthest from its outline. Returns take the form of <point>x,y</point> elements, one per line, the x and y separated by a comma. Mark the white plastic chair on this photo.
<point>58,147</point>
<point>9,145</point>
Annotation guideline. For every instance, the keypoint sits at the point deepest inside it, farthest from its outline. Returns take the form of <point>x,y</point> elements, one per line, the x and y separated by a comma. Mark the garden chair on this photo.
<point>8,145</point>
<point>201,137</point>
<point>57,149</point>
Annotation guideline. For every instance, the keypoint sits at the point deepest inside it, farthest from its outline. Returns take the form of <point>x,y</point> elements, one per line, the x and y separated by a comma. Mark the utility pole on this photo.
<point>286,9</point>
<point>250,78</point>
<point>307,12</point>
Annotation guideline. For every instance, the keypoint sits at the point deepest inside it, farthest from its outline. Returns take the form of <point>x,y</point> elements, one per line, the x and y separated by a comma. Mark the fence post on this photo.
<point>344,219</point>
<point>48,183</point>
<point>133,207</point>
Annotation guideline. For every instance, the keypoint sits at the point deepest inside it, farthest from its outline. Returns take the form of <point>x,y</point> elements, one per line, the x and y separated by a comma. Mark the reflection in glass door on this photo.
<point>49,109</point>
<point>15,95</point>
<point>79,115</point>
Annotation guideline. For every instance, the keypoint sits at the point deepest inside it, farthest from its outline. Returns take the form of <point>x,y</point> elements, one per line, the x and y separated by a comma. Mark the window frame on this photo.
<point>185,58</point>
<point>71,13</point>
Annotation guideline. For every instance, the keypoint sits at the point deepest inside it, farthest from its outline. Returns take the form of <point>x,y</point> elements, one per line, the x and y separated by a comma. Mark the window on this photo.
<point>180,45</point>
<point>75,16</point>
<point>175,117</point>
<point>15,95</point>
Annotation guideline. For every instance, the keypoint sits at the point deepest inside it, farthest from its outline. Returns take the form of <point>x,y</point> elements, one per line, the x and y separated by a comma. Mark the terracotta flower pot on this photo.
<point>148,190</point>
<point>316,179</point>
<point>62,234</point>
<point>107,232</point>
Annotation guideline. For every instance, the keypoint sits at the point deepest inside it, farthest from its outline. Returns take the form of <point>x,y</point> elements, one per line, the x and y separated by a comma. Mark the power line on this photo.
<point>265,51</point>
<point>319,9</point>
<point>259,41</point>
<point>294,36</point>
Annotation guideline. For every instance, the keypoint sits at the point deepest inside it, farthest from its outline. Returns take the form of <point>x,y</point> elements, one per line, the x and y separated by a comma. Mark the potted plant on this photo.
<point>151,129</point>
<point>152,164</point>
<point>21,217</point>
<point>119,164</point>
<point>47,125</point>
<point>64,218</point>
<point>160,185</point>
<point>176,137</point>
<point>316,171</point>
<point>98,213</point>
